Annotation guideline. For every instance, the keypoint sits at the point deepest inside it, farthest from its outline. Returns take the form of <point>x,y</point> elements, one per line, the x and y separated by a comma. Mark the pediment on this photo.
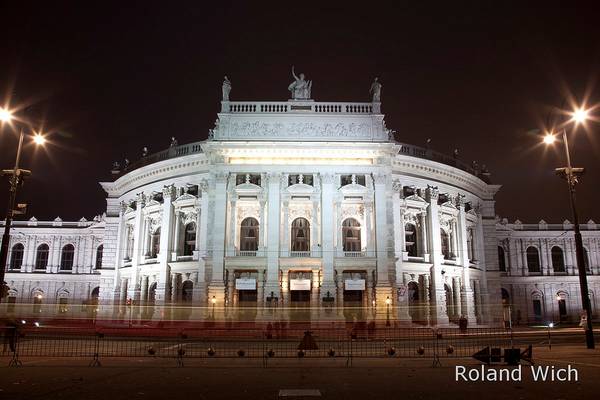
<point>353,188</point>
<point>185,198</point>
<point>300,188</point>
<point>416,201</point>
<point>449,204</point>
<point>248,187</point>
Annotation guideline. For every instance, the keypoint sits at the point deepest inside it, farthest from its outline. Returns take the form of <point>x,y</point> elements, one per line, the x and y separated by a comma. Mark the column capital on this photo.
<point>168,191</point>
<point>273,177</point>
<point>433,193</point>
<point>140,199</point>
<point>460,200</point>
<point>203,185</point>
<point>328,178</point>
<point>380,178</point>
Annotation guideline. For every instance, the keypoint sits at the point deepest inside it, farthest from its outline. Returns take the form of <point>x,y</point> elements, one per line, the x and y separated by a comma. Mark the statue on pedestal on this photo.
<point>376,90</point>
<point>300,88</point>
<point>226,88</point>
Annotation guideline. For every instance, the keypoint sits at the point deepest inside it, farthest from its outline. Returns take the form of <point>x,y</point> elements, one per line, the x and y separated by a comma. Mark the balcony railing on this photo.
<point>300,254</point>
<point>246,253</point>
<point>355,254</point>
<point>258,107</point>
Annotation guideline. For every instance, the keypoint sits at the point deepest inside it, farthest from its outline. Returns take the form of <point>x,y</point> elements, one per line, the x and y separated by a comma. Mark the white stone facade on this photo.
<point>294,203</point>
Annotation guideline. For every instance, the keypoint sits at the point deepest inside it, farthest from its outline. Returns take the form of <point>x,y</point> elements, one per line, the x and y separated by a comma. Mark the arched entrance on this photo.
<point>414,304</point>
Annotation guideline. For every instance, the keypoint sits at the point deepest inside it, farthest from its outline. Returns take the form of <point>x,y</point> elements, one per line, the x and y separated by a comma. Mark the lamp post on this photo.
<point>388,302</point>
<point>571,175</point>
<point>16,176</point>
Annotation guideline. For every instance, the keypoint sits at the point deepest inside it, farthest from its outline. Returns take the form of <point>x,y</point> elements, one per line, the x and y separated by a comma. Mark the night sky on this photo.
<point>108,80</point>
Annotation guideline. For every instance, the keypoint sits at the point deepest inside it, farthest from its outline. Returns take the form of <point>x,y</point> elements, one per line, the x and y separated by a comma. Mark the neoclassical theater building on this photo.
<point>304,205</point>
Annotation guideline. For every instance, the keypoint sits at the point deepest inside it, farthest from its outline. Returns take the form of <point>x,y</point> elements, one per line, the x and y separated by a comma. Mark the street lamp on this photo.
<point>571,175</point>
<point>388,302</point>
<point>16,176</point>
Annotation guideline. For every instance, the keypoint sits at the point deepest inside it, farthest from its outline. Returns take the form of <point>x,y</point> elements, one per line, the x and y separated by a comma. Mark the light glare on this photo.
<point>580,115</point>
<point>5,115</point>
<point>549,138</point>
<point>39,139</point>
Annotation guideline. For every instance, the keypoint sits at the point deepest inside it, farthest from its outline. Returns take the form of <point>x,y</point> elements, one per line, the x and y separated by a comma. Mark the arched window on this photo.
<point>41,257</point>
<point>410,239</point>
<point>558,260</point>
<point>249,231</point>
<point>189,244</point>
<point>586,260</point>
<point>187,290</point>
<point>351,235</point>
<point>533,260</point>
<point>501,259</point>
<point>95,295</point>
<point>66,258</point>
<point>155,243</point>
<point>300,235</point>
<point>445,244</point>
<point>16,256</point>
<point>99,252</point>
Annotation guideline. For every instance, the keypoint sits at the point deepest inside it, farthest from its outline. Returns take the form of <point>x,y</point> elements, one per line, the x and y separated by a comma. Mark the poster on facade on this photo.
<point>245,284</point>
<point>354,284</point>
<point>299,284</point>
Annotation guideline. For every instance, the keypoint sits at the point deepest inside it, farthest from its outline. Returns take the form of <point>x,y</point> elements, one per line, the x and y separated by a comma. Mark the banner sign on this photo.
<point>354,284</point>
<point>245,284</point>
<point>299,284</point>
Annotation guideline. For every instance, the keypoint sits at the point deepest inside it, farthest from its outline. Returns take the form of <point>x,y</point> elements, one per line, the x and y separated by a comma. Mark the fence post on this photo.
<point>13,342</point>
<point>436,355</point>
<point>180,349</point>
<point>96,360</point>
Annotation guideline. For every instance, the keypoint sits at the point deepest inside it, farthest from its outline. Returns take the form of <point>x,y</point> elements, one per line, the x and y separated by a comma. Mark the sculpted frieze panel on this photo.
<point>298,129</point>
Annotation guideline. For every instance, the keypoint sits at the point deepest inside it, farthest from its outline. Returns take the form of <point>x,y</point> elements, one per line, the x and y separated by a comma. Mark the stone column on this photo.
<point>285,288</point>
<point>327,226</point>
<point>144,292</point>
<point>438,294</point>
<point>216,287</point>
<point>426,304</point>
<point>466,292</point>
<point>456,296</point>
<point>202,235</point>
<point>261,228</point>
<point>119,254</point>
<point>384,287</point>
<point>231,295</point>
<point>176,236</point>
<point>315,301</point>
<point>284,245</point>
<point>369,228</point>
<point>162,289</point>
<point>273,227</point>
<point>260,288</point>
<point>314,230</point>
<point>175,292</point>
<point>123,295</point>
<point>399,237</point>
<point>424,235</point>
<point>232,242</point>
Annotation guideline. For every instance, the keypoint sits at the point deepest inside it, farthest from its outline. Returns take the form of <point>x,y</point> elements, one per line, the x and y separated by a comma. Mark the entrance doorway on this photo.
<point>247,296</point>
<point>300,296</point>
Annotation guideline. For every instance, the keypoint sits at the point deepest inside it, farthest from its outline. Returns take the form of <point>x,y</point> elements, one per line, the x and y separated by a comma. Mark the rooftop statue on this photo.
<point>300,88</point>
<point>226,88</point>
<point>376,90</point>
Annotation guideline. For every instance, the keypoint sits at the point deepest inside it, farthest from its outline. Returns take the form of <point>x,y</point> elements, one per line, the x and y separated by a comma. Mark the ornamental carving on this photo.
<point>140,198</point>
<point>353,211</point>
<point>247,211</point>
<point>379,178</point>
<point>433,192</point>
<point>154,223</point>
<point>168,191</point>
<point>396,186</point>
<point>203,185</point>
<point>300,212</point>
<point>299,129</point>
<point>189,217</point>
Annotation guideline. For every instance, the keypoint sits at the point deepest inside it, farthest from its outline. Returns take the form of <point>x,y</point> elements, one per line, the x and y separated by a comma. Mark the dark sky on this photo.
<point>476,76</point>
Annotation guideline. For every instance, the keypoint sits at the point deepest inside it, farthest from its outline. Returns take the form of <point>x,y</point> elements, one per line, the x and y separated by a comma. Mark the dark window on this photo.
<point>249,231</point>
<point>155,243</point>
<point>346,180</point>
<point>533,260</point>
<point>410,239</point>
<point>187,290</point>
<point>351,235</point>
<point>66,258</point>
<point>445,244</point>
<point>501,259</point>
<point>360,180</point>
<point>537,309</point>
<point>99,252</point>
<point>247,178</point>
<point>16,257</point>
<point>63,303</point>
<point>562,309</point>
<point>41,258</point>
<point>129,250</point>
<point>189,244</point>
<point>470,245</point>
<point>300,235</point>
<point>300,178</point>
<point>558,261</point>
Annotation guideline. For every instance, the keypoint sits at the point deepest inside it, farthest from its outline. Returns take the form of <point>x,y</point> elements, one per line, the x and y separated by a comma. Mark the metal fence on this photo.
<point>389,342</point>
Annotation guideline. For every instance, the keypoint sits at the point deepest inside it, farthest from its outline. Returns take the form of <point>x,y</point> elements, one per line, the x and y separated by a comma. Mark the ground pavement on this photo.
<point>391,378</point>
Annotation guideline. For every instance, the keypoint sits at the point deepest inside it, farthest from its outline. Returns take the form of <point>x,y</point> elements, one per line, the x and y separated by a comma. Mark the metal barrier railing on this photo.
<point>427,343</point>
